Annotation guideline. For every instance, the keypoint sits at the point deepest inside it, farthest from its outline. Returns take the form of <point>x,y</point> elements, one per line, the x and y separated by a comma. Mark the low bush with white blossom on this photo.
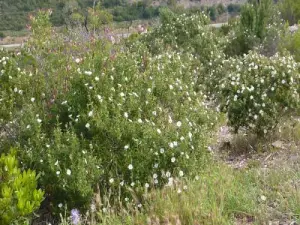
<point>256,91</point>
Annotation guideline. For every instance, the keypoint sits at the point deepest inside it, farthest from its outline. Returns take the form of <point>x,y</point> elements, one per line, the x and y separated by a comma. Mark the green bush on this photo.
<point>2,35</point>
<point>252,28</point>
<point>19,196</point>
<point>186,33</point>
<point>117,119</point>
<point>291,43</point>
<point>255,91</point>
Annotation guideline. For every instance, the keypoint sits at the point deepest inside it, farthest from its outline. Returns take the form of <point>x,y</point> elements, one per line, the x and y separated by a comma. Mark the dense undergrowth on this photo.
<point>121,133</point>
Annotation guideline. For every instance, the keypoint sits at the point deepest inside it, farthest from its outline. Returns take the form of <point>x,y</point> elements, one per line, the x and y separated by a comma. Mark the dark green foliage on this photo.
<point>2,35</point>
<point>233,8</point>
<point>252,27</point>
<point>14,14</point>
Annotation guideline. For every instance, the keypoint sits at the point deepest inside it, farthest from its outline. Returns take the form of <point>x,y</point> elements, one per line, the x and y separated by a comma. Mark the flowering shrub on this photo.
<point>19,196</point>
<point>256,91</point>
<point>184,33</point>
<point>123,120</point>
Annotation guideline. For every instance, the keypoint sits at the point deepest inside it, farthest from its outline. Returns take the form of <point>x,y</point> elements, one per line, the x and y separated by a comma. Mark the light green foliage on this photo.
<point>256,91</point>
<point>19,196</point>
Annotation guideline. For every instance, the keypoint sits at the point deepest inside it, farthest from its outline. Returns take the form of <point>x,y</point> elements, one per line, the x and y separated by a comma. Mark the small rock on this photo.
<point>278,144</point>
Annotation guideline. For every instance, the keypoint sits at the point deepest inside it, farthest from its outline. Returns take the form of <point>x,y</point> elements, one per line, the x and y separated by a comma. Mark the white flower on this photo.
<point>90,113</point>
<point>77,60</point>
<point>93,207</point>
<point>130,167</point>
<point>69,172</point>
<point>32,99</point>
<point>171,145</point>
<point>181,173</point>
<point>179,191</point>
<point>173,159</point>
<point>126,147</point>
<point>111,180</point>
<point>96,78</point>
<point>126,199</point>
<point>140,121</point>
<point>162,151</point>
<point>147,185</point>
<point>89,73</point>
<point>178,124</point>
<point>87,125</point>
<point>60,205</point>
<point>57,172</point>
<point>39,120</point>
<point>170,181</point>
<point>170,120</point>
<point>159,131</point>
<point>251,97</point>
<point>168,174</point>
<point>132,184</point>
<point>185,187</point>
<point>126,115</point>
<point>175,143</point>
<point>283,81</point>
<point>122,94</point>
<point>264,198</point>
<point>155,176</point>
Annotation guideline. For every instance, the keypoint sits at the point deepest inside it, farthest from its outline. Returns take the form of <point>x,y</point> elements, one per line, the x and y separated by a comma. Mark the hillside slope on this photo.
<point>14,14</point>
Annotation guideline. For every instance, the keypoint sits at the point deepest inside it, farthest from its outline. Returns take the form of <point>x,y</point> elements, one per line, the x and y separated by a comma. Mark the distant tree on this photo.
<point>98,17</point>
<point>71,14</point>
<point>220,9</point>
<point>233,8</point>
<point>2,35</point>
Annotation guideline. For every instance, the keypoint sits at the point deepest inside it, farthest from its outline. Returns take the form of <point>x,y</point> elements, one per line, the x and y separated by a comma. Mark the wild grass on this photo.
<point>221,195</point>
